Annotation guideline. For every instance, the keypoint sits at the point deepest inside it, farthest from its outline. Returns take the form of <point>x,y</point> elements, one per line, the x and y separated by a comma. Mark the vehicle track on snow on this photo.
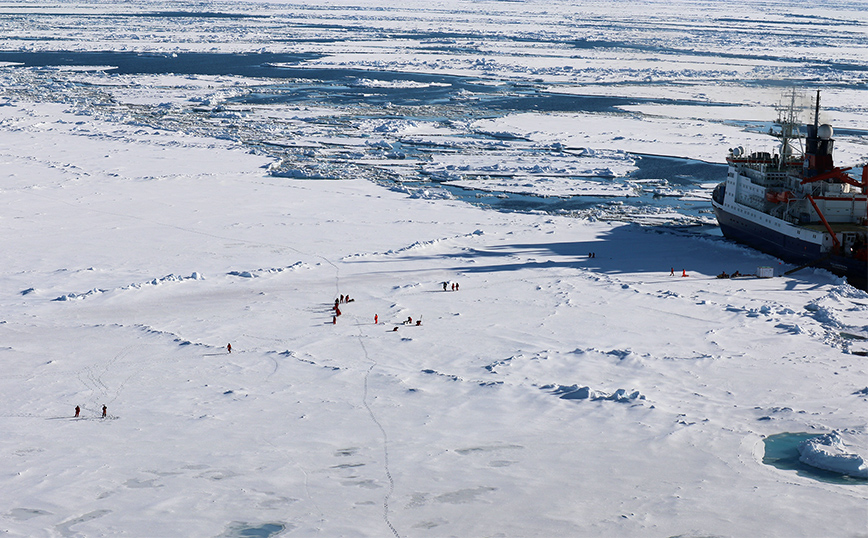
<point>385,436</point>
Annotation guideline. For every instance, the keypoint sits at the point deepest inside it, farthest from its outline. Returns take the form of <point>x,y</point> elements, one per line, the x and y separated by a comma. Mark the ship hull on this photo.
<point>800,208</point>
<point>789,249</point>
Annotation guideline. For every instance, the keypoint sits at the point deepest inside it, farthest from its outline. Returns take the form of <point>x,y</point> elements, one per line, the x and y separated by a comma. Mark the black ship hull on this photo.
<point>789,249</point>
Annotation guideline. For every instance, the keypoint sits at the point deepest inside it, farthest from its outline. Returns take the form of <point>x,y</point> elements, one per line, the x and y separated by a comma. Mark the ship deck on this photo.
<point>836,227</point>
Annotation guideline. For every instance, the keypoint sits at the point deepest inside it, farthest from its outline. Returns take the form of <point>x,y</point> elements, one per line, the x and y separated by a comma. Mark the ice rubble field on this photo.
<point>553,394</point>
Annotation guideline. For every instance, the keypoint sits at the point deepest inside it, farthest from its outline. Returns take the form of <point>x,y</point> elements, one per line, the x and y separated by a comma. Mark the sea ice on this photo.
<point>829,452</point>
<point>320,427</point>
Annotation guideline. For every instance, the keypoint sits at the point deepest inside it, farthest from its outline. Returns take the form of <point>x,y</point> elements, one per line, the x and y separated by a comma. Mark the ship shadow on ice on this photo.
<point>626,249</point>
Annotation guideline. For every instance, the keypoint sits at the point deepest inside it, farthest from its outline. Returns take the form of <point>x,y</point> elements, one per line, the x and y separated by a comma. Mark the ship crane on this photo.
<point>838,173</point>
<point>798,205</point>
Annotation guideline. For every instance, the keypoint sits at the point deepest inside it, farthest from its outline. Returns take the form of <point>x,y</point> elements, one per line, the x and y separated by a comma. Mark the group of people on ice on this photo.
<point>78,411</point>
<point>343,299</point>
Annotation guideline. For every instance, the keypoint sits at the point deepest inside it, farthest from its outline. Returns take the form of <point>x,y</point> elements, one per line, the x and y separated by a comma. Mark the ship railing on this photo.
<point>776,210</point>
<point>754,175</point>
<point>777,176</point>
<point>764,180</point>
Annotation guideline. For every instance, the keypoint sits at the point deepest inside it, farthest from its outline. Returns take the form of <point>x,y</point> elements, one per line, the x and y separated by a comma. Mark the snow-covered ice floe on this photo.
<point>829,452</point>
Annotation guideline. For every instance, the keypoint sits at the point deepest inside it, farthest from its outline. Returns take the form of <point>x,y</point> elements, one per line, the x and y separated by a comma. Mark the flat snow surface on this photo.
<point>575,383</point>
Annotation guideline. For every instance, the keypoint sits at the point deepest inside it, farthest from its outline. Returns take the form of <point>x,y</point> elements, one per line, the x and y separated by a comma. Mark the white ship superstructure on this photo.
<point>795,205</point>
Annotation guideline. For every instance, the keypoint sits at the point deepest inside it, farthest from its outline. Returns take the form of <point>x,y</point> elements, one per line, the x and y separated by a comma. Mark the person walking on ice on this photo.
<point>77,411</point>
<point>104,409</point>
<point>229,348</point>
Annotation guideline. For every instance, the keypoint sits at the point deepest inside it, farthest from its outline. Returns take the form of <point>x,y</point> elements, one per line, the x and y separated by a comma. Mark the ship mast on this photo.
<point>788,122</point>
